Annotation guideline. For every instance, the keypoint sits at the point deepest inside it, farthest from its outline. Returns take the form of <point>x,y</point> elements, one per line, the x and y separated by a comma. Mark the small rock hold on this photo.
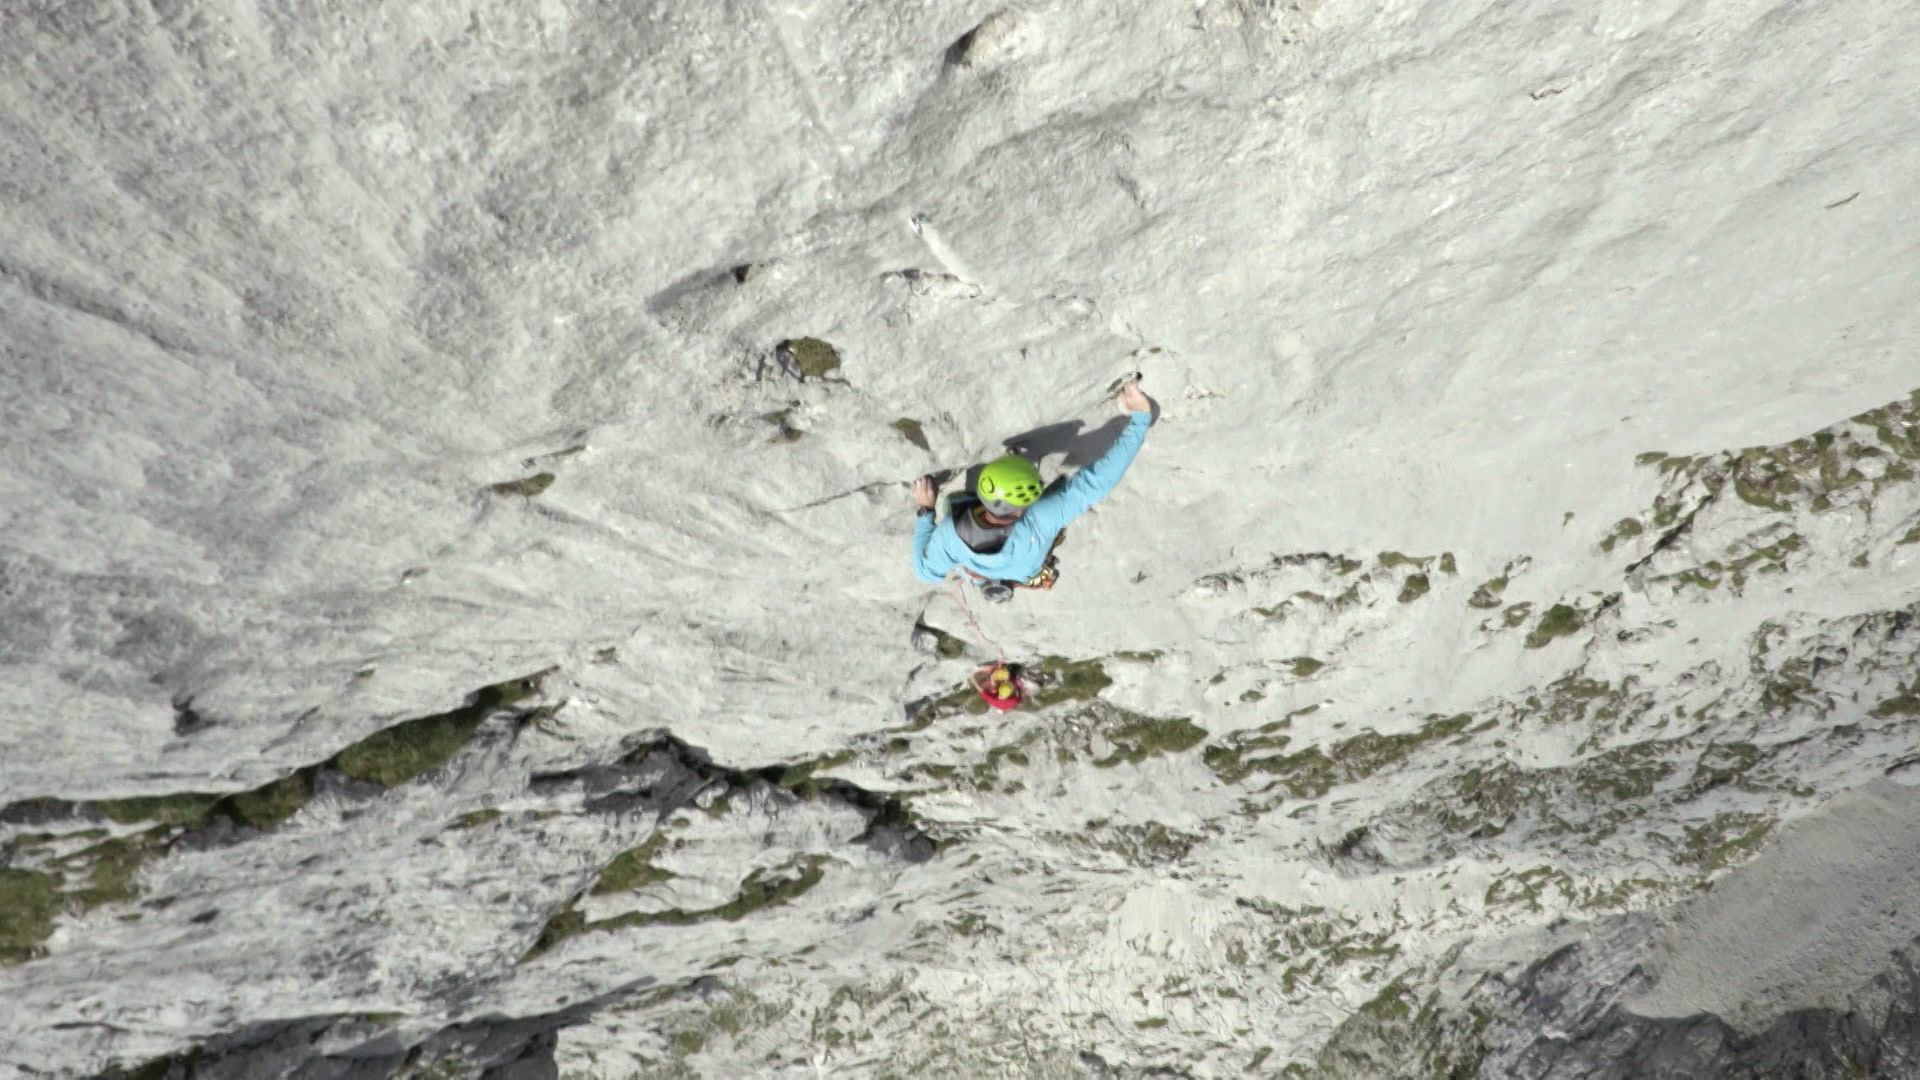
<point>924,640</point>
<point>186,720</point>
<point>912,432</point>
<point>997,37</point>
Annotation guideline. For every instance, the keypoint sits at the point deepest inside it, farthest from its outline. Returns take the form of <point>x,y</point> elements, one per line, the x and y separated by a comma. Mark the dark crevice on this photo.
<point>85,301</point>
<point>491,1048</point>
<point>1578,1028</point>
<point>665,774</point>
<point>186,720</point>
<point>1671,536</point>
<point>388,758</point>
<point>488,1047</point>
<point>956,54</point>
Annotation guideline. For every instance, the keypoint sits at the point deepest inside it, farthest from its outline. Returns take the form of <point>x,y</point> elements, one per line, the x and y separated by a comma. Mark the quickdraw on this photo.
<point>1045,579</point>
<point>1048,574</point>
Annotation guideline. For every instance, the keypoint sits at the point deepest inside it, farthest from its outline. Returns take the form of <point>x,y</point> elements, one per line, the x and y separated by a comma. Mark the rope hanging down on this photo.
<point>960,596</point>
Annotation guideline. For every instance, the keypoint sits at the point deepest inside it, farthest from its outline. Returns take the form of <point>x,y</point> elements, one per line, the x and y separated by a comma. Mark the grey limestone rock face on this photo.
<point>1522,566</point>
<point>1567,1021</point>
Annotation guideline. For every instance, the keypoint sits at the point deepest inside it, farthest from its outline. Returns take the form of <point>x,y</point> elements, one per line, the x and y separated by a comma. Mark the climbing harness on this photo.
<point>999,591</point>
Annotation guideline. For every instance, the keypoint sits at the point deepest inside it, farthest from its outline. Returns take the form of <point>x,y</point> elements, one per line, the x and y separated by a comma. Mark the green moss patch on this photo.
<point>1723,764</point>
<point>1626,529</point>
<point>1559,621</point>
<point>270,804</point>
<point>1624,773</point>
<point>1586,801</point>
<point>811,358</point>
<point>1304,665</point>
<point>634,869</point>
<point>1239,754</point>
<point>807,776</point>
<point>1487,593</point>
<point>1762,483</point>
<point>762,889</point>
<point>526,487</point>
<point>1894,424</point>
<point>568,923</point>
<point>1525,888</point>
<point>29,901</point>
<point>1765,559</point>
<point>1137,738</point>
<point>1905,703</point>
<point>262,807</point>
<point>183,809</point>
<point>1312,772</point>
<point>1414,588</point>
<point>400,753</point>
<point>1307,774</point>
<point>1064,680</point>
<point>1727,840</point>
<point>1369,752</point>
<point>1481,800</point>
<point>736,1013</point>
<point>912,432</point>
<point>1812,474</point>
<point>1148,844</point>
<point>107,871</point>
<point>970,924</point>
<point>1399,1034</point>
<point>473,819</point>
<point>112,867</point>
<point>1574,699</point>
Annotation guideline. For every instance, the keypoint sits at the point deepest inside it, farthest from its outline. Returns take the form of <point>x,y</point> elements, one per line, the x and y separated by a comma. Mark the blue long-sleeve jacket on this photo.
<point>937,549</point>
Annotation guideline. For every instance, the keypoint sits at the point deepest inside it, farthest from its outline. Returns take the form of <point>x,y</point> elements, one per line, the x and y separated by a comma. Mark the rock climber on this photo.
<point>1003,537</point>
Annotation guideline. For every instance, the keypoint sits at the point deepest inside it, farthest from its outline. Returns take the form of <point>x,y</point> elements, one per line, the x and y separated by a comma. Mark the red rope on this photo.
<point>960,595</point>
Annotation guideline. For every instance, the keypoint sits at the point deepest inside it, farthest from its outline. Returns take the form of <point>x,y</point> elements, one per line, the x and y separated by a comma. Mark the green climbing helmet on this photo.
<point>1011,481</point>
